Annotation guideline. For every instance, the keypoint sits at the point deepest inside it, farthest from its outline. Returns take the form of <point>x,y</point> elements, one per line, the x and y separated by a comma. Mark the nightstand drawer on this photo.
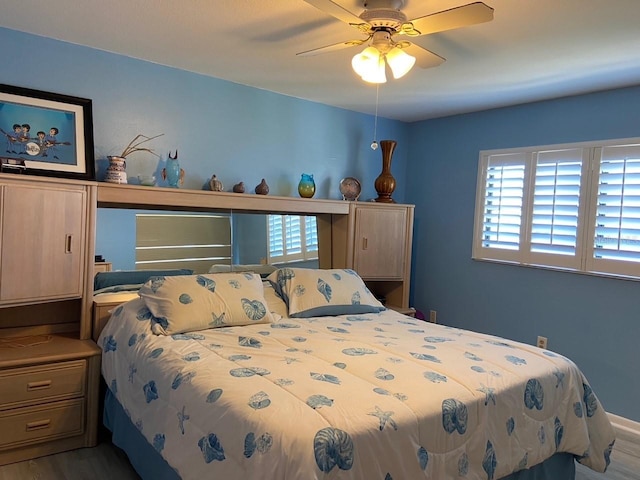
<point>29,385</point>
<point>38,424</point>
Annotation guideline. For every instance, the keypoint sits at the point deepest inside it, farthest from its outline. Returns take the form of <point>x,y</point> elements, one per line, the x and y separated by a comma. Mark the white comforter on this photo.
<point>376,396</point>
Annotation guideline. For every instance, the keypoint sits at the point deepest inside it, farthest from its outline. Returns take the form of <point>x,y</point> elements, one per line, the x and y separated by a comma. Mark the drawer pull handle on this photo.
<point>67,246</point>
<point>34,386</point>
<point>38,425</point>
<point>365,243</point>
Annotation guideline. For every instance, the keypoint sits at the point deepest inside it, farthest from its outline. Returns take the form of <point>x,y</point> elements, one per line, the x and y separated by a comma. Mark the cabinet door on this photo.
<point>380,242</point>
<point>42,243</point>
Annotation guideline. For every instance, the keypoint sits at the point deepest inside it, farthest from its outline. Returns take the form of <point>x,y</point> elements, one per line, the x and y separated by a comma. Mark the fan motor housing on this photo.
<point>384,13</point>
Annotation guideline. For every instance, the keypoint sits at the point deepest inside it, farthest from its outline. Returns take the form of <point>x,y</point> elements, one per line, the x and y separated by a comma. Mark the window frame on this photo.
<point>584,259</point>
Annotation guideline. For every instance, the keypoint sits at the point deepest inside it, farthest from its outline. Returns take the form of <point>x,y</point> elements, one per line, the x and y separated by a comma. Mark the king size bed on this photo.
<point>307,376</point>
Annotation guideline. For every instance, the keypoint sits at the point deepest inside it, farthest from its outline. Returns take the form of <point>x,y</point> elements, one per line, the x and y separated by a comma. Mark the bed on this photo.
<point>323,382</point>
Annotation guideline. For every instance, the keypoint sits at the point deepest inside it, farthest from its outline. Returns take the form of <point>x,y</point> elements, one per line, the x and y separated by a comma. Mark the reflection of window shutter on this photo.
<point>193,241</point>
<point>276,236</point>
<point>556,202</point>
<point>617,229</point>
<point>293,234</point>
<point>311,233</point>
<point>291,239</point>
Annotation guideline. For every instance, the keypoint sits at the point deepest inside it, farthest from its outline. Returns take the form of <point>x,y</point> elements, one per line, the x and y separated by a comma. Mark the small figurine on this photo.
<point>172,172</point>
<point>262,188</point>
<point>216,185</point>
<point>239,187</point>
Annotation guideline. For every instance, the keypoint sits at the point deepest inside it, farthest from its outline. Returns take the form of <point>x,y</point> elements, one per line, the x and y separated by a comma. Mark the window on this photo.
<point>292,238</point>
<point>574,207</point>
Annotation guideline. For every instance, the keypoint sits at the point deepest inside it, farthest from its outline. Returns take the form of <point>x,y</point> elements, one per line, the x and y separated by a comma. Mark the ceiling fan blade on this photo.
<point>424,57</point>
<point>336,11</point>
<point>463,16</point>
<point>331,48</point>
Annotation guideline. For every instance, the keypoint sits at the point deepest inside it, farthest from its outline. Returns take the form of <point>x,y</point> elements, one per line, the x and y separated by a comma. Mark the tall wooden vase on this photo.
<point>385,183</point>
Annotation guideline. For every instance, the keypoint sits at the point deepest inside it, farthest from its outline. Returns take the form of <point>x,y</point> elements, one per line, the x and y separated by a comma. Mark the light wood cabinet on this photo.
<point>375,241</point>
<point>43,252</point>
<point>49,370</point>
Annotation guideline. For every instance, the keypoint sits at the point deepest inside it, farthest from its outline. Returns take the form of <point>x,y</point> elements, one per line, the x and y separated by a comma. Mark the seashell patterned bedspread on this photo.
<point>374,396</point>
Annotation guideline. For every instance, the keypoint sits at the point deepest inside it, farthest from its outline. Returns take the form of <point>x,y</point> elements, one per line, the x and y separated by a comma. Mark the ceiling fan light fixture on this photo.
<point>369,64</point>
<point>400,62</point>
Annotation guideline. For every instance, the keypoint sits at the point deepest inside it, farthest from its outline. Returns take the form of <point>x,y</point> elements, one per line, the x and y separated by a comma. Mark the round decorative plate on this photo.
<point>350,188</point>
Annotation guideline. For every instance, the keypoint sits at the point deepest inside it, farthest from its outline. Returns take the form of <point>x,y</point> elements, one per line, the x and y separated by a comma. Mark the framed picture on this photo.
<point>43,133</point>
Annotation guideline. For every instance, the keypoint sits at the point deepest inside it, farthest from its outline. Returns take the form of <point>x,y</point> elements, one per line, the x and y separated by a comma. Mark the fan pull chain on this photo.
<point>374,144</point>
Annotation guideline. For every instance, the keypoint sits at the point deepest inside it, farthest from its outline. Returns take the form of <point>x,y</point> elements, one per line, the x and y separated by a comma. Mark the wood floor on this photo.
<point>106,462</point>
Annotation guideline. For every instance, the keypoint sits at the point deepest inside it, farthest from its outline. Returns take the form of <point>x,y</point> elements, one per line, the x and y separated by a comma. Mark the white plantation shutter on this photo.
<point>573,207</point>
<point>616,236</point>
<point>501,201</point>
<point>556,207</point>
<point>292,238</point>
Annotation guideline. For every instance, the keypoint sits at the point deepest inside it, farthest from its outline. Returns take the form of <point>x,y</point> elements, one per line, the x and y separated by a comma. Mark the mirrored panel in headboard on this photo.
<point>132,239</point>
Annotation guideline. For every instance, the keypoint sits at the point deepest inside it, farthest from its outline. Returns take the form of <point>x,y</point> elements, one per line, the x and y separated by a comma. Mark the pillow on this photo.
<point>314,293</point>
<point>275,304</point>
<point>128,277</point>
<point>187,303</point>
<point>262,270</point>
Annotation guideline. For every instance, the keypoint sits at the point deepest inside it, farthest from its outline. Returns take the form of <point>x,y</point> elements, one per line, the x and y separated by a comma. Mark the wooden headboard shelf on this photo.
<point>159,198</point>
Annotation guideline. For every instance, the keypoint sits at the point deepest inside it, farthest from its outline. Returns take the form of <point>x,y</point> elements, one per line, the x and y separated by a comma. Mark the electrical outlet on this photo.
<point>433,316</point>
<point>542,342</point>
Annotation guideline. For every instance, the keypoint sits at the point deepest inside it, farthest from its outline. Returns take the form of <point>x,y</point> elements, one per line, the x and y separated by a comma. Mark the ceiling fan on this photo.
<point>382,21</point>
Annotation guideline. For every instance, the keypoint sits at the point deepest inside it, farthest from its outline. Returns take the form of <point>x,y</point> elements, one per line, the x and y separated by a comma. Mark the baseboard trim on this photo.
<point>625,428</point>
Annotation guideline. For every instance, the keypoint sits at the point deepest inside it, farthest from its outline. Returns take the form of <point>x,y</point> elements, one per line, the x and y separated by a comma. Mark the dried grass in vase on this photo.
<point>135,145</point>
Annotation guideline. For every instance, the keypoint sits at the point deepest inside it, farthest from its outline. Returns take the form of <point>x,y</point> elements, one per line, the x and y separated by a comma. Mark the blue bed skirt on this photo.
<point>151,466</point>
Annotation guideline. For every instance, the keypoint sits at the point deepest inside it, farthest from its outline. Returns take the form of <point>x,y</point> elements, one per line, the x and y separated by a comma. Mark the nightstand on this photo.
<point>102,307</point>
<point>101,267</point>
<point>48,395</point>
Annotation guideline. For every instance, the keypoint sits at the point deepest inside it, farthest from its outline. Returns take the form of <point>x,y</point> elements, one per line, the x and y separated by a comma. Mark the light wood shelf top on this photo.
<point>111,195</point>
<point>36,349</point>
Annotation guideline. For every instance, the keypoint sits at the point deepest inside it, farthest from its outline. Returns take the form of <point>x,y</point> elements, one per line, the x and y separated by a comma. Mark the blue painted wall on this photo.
<point>218,127</point>
<point>240,133</point>
<point>593,320</point>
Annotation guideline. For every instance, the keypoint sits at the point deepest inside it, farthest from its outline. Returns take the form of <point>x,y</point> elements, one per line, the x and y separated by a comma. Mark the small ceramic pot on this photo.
<point>262,188</point>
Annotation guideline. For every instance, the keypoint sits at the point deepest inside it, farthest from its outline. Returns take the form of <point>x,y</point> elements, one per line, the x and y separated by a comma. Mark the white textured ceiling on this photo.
<point>532,50</point>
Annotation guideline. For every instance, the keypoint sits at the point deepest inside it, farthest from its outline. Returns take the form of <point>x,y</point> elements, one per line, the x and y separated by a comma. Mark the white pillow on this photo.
<point>315,293</point>
<point>187,303</point>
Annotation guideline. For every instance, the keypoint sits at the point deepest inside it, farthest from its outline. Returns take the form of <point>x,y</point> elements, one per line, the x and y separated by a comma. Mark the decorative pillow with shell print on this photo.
<point>314,292</point>
<point>196,302</point>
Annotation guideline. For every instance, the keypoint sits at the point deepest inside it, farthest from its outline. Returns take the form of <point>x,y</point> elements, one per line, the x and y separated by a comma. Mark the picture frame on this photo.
<point>44,133</point>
